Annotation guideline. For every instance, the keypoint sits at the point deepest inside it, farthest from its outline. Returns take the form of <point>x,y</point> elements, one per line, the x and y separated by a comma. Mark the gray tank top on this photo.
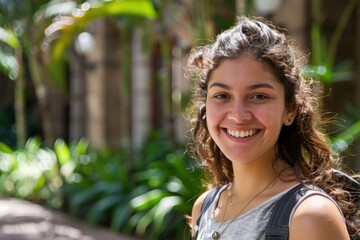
<point>249,226</point>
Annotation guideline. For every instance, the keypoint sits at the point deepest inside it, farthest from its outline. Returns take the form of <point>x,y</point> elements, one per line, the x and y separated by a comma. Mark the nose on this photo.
<point>239,112</point>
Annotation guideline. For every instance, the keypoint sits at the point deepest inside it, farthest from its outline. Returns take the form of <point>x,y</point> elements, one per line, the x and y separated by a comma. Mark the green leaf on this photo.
<point>164,207</point>
<point>62,151</point>
<point>90,195</point>
<point>9,65</point>
<point>140,8</point>
<point>57,70</point>
<point>101,207</point>
<point>81,147</point>
<point>145,221</point>
<point>342,141</point>
<point>120,216</point>
<point>32,145</point>
<point>9,38</point>
<point>5,148</point>
<point>148,199</point>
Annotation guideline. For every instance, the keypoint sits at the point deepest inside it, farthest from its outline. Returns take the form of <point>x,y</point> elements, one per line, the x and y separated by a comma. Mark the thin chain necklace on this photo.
<point>216,234</point>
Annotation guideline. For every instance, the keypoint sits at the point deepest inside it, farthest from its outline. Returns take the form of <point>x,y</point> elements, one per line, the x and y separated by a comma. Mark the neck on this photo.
<point>250,178</point>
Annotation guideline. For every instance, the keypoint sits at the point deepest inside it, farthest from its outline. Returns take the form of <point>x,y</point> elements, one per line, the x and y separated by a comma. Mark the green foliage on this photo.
<point>341,142</point>
<point>8,63</point>
<point>63,30</point>
<point>137,192</point>
<point>323,66</point>
<point>324,51</point>
<point>30,173</point>
<point>9,38</point>
<point>351,130</point>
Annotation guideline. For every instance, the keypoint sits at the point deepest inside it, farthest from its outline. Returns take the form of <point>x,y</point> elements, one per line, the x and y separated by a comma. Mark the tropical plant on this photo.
<point>27,28</point>
<point>10,65</point>
<point>18,18</point>
<point>136,192</point>
<point>323,51</point>
<point>70,19</point>
<point>30,173</point>
<point>323,67</point>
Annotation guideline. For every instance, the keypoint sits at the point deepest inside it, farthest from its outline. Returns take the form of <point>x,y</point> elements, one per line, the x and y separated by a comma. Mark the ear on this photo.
<point>289,117</point>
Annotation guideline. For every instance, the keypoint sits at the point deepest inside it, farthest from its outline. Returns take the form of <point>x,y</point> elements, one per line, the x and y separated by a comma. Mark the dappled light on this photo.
<point>21,220</point>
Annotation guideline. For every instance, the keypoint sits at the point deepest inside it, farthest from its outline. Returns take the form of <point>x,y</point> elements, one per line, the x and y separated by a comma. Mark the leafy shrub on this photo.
<point>137,192</point>
<point>30,173</point>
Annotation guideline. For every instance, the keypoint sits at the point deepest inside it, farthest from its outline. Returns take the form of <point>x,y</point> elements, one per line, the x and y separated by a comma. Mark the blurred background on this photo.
<point>93,96</point>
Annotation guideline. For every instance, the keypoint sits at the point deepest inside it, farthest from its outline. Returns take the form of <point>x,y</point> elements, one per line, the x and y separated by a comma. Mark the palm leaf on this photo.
<point>9,38</point>
<point>71,26</point>
<point>342,141</point>
<point>147,200</point>
<point>9,65</point>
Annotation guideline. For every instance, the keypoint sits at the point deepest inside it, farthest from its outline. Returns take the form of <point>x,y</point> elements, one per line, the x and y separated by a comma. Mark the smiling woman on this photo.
<point>246,110</point>
<point>257,137</point>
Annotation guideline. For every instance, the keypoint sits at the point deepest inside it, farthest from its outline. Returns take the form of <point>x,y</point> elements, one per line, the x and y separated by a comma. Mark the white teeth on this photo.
<point>241,134</point>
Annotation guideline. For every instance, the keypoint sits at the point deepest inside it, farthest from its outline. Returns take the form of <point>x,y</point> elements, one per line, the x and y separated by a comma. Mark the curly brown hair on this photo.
<point>308,151</point>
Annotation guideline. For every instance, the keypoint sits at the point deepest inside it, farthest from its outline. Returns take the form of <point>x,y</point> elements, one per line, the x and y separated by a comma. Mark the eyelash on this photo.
<point>258,96</point>
<point>221,96</point>
<point>262,96</point>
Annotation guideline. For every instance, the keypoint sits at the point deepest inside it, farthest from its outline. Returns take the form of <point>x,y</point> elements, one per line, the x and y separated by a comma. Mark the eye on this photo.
<point>259,96</point>
<point>221,96</point>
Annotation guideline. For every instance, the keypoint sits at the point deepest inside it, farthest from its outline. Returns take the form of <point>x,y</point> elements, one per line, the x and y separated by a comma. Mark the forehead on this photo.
<point>243,70</point>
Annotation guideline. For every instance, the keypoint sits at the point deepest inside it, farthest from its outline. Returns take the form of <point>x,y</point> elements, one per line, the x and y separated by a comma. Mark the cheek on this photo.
<point>213,119</point>
<point>273,118</point>
<point>210,119</point>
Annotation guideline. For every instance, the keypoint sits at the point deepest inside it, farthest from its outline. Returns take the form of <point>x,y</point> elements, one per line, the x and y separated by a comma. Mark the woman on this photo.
<point>256,129</point>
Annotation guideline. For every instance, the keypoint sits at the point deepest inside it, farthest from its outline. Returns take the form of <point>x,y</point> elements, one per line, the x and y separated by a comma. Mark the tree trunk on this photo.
<point>20,101</point>
<point>41,94</point>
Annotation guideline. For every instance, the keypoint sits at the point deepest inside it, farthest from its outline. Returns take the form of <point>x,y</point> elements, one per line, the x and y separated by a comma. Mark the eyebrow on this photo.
<point>252,87</point>
<point>221,85</point>
<point>261,85</point>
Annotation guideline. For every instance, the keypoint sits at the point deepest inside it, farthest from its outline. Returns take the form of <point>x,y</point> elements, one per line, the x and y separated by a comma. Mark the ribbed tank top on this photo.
<point>248,226</point>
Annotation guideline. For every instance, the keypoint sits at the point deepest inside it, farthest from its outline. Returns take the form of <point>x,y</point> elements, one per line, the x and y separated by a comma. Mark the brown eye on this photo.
<point>259,97</point>
<point>221,96</point>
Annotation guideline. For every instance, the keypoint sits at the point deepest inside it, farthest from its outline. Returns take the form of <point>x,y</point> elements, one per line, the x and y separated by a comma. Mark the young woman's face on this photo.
<point>245,109</point>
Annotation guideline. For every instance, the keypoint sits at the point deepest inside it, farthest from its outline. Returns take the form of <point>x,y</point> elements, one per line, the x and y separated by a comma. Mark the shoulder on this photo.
<point>320,217</point>
<point>197,209</point>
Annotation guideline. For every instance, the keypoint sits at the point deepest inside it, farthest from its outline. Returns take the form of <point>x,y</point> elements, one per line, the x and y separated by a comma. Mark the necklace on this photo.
<point>216,234</point>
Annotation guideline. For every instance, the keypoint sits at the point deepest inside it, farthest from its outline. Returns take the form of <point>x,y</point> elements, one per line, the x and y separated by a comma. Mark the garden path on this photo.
<point>22,220</point>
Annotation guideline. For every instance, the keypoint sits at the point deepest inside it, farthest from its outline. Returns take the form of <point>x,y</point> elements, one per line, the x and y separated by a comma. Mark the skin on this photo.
<point>245,111</point>
<point>244,98</point>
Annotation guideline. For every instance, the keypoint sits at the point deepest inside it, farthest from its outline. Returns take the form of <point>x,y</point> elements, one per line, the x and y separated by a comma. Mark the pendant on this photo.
<point>215,235</point>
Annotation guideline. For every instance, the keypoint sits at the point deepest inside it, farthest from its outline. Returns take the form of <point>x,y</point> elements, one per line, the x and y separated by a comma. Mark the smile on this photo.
<point>241,134</point>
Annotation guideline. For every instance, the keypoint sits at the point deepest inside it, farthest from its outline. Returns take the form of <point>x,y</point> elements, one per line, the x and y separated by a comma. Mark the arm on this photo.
<point>196,211</point>
<point>318,218</point>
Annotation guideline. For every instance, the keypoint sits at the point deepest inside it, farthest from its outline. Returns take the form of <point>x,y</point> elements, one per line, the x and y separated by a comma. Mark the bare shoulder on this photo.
<point>196,210</point>
<point>321,218</point>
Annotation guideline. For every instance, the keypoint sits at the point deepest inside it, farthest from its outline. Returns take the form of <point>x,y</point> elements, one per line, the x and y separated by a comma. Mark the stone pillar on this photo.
<point>77,110</point>
<point>95,85</point>
<point>103,80</point>
<point>140,94</point>
<point>113,83</point>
